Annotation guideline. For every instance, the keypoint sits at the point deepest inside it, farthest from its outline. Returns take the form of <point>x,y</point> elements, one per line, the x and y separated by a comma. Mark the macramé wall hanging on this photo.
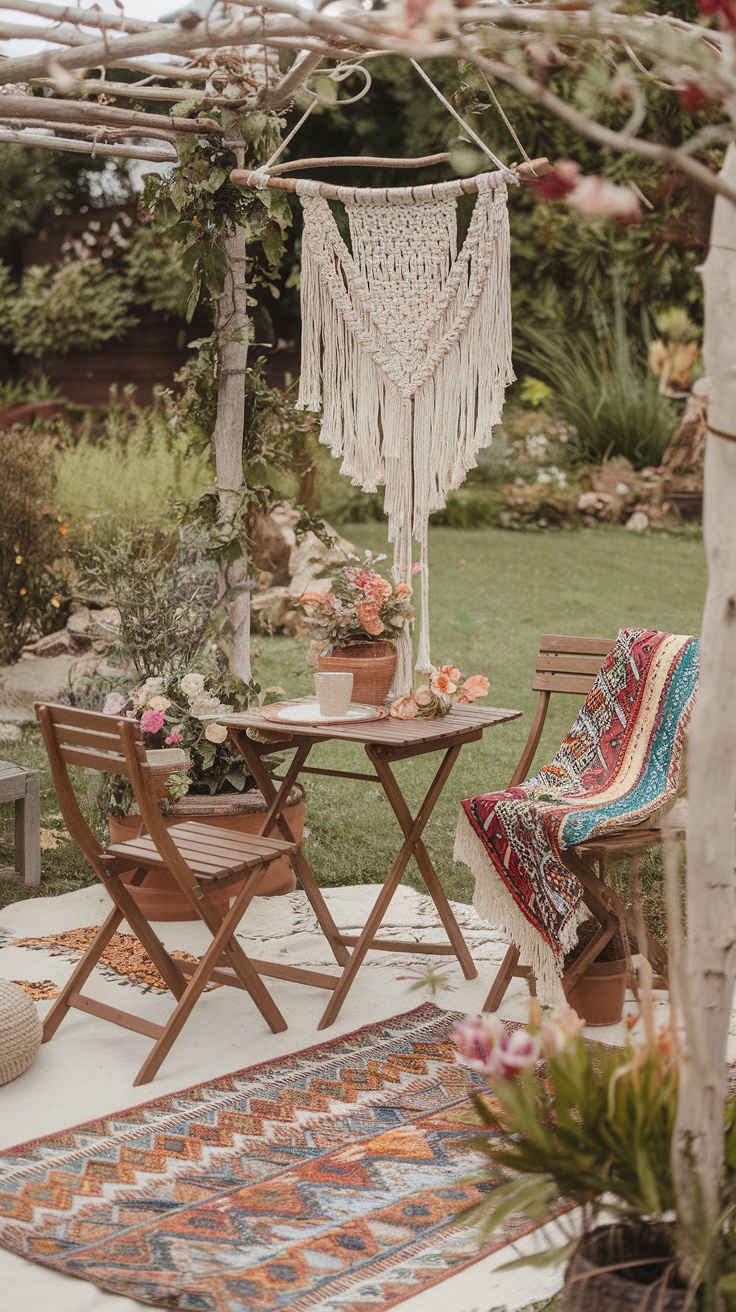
<point>406,348</point>
<point>406,340</point>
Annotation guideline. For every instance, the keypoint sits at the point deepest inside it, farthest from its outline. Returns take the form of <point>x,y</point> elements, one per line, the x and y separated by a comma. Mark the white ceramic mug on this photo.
<point>333,693</point>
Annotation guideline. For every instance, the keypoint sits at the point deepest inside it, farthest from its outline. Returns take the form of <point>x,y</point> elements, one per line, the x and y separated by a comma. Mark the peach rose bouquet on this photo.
<point>446,687</point>
<point>359,606</point>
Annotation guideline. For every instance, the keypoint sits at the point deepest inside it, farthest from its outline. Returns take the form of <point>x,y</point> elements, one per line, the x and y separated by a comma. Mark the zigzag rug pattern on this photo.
<point>326,1181</point>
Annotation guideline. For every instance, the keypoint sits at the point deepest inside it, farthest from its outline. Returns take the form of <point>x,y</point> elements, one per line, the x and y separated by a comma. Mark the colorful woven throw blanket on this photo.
<point>325,1181</point>
<point>618,765</point>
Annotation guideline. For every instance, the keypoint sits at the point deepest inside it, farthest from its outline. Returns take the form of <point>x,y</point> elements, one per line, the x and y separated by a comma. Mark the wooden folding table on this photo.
<point>385,741</point>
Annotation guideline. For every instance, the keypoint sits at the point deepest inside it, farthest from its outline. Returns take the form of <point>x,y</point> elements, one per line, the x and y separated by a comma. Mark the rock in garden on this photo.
<point>638,522</point>
<point>9,733</point>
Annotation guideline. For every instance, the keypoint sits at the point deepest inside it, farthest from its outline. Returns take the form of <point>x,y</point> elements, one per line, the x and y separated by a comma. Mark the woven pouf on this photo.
<point>20,1031</point>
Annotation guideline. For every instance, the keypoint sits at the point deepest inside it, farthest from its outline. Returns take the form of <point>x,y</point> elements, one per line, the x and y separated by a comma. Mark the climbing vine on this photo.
<point>197,202</point>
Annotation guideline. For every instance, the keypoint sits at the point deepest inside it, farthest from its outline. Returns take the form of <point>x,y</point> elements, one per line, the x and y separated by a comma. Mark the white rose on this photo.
<point>159,703</point>
<point>192,685</point>
<point>205,706</point>
<point>215,733</point>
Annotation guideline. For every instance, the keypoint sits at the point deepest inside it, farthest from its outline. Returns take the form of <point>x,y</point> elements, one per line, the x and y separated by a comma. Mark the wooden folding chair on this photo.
<point>199,857</point>
<point>569,665</point>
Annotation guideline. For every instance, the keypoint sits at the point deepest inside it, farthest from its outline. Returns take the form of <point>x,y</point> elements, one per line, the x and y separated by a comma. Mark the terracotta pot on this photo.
<point>633,1289</point>
<point>160,897</point>
<point>372,665</point>
<point>598,996</point>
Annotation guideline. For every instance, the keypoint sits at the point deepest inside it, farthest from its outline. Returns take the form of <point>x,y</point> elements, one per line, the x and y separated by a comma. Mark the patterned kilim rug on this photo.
<point>328,1180</point>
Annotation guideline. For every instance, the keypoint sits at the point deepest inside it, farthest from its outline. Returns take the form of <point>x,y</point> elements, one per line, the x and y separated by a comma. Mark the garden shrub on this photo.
<point>75,307</point>
<point>164,590</point>
<point>32,590</point>
<point>607,394</point>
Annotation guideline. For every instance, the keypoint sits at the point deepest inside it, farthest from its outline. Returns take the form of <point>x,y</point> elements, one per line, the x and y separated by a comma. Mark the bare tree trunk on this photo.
<point>232,324</point>
<point>711,848</point>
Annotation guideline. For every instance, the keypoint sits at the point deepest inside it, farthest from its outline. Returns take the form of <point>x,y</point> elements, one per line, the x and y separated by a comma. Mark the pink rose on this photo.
<point>367,612</point>
<point>175,737</point>
<point>442,685</point>
<point>362,577</point>
<point>416,568</point>
<point>152,722</point>
<point>115,704</point>
<point>378,589</point>
<point>423,696</point>
<point>404,708</point>
<point>403,590</point>
<point>451,671</point>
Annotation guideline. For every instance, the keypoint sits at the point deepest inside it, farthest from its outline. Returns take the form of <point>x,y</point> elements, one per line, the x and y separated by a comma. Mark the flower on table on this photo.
<point>405,708</point>
<point>445,688</point>
<point>478,685</point>
<point>442,684</point>
<point>215,733</point>
<point>152,722</point>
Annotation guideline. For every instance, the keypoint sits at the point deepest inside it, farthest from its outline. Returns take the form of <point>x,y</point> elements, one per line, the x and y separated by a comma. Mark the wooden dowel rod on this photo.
<point>359,161</point>
<point>527,172</point>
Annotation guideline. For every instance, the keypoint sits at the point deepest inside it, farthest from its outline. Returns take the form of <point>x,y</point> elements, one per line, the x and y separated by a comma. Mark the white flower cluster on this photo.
<point>205,706</point>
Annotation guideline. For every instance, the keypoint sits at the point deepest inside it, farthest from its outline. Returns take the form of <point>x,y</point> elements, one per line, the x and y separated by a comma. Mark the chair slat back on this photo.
<point>90,739</point>
<point>94,742</point>
<point>569,664</point>
<point>564,665</point>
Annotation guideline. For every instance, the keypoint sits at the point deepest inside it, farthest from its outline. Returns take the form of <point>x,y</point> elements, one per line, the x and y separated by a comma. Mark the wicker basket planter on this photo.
<point>649,1286</point>
<point>160,897</point>
<point>372,665</point>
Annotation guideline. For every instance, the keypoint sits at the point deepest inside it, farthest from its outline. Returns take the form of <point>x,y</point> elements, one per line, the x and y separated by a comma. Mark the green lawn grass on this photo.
<point>492,594</point>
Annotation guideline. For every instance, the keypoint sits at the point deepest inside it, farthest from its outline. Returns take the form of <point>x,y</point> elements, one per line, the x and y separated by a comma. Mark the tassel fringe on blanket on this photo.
<point>406,345</point>
<point>618,765</point>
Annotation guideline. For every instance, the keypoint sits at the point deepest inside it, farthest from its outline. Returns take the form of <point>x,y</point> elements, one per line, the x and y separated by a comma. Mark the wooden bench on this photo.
<point>21,787</point>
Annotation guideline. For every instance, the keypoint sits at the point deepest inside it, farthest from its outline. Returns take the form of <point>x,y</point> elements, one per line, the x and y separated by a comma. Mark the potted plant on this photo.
<point>598,994</point>
<point>355,626</point>
<point>584,1125</point>
<point>208,781</point>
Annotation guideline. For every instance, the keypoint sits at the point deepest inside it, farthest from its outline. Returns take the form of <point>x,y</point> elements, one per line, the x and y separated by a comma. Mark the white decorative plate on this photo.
<point>308,712</point>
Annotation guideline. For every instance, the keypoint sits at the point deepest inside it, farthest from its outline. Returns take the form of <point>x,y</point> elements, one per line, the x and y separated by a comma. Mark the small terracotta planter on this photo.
<point>590,1281</point>
<point>598,996</point>
<point>160,897</point>
<point>372,665</point>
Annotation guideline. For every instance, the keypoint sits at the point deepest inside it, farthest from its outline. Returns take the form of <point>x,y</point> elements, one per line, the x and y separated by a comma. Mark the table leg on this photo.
<point>28,833</point>
<point>419,850</point>
<point>276,819</point>
<point>412,836</point>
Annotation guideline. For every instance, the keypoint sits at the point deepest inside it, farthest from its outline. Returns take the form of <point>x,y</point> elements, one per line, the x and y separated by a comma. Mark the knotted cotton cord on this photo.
<point>406,344</point>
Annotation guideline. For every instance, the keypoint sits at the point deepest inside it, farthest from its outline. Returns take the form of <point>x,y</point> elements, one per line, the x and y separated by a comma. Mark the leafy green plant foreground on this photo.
<point>492,595</point>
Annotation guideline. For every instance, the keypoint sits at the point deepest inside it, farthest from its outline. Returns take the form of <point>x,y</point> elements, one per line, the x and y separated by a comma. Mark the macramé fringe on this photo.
<point>494,903</point>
